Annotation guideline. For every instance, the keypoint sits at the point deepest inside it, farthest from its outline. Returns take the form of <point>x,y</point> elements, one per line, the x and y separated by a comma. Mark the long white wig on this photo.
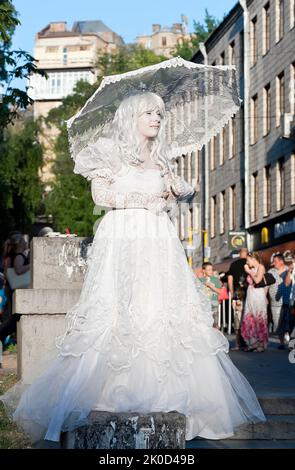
<point>124,128</point>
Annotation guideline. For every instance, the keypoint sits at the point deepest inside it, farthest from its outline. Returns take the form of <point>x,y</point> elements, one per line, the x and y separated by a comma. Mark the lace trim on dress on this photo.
<point>104,196</point>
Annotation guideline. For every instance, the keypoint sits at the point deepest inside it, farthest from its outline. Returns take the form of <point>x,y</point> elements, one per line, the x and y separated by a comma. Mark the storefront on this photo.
<point>271,237</point>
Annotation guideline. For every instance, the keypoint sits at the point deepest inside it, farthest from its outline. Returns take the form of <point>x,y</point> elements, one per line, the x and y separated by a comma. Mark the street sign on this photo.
<point>237,240</point>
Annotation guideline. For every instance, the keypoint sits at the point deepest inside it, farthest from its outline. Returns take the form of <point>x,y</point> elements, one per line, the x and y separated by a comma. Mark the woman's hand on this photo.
<point>157,205</point>
<point>177,187</point>
<point>247,269</point>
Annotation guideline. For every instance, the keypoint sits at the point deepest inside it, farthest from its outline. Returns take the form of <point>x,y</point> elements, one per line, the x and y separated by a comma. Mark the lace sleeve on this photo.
<point>97,157</point>
<point>103,195</point>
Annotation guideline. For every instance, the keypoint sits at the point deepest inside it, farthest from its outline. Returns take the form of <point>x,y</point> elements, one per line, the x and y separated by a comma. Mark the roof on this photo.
<point>96,26</point>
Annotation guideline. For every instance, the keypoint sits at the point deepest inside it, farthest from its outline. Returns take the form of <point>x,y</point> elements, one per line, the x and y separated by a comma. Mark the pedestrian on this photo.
<point>283,294</point>
<point>213,288</point>
<point>276,302</point>
<point>3,297</point>
<point>290,281</point>
<point>254,327</point>
<point>238,305</point>
<point>236,279</point>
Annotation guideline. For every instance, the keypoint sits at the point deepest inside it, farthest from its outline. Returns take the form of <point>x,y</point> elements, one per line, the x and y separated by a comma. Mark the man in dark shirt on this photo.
<point>236,278</point>
<point>237,274</point>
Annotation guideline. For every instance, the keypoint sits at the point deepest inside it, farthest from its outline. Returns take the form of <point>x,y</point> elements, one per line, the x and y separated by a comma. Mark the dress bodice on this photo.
<point>145,180</point>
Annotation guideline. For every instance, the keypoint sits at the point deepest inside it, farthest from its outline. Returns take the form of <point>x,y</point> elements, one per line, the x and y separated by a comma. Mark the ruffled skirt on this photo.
<point>140,339</point>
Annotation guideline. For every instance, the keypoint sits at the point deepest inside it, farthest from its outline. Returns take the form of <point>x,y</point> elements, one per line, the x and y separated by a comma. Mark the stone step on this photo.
<point>240,444</point>
<point>276,427</point>
<point>278,405</point>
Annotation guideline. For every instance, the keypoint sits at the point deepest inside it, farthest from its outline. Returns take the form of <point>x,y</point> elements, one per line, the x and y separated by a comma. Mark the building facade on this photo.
<point>251,163</point>
<point>164,39</point>
<point>67,56</point>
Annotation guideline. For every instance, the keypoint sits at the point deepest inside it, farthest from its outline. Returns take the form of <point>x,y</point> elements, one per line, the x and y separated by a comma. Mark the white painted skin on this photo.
<point>149,123</point>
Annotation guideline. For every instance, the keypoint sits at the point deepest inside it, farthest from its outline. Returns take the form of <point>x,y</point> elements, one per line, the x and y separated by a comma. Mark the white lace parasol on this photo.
<point>199,101</point>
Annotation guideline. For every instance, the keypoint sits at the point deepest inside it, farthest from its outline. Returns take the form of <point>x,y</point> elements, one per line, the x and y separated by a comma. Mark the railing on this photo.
<point>225,315</point>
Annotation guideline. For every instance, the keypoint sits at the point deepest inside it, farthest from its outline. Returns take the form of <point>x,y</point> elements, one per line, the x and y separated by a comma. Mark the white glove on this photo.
<point>157,205</point>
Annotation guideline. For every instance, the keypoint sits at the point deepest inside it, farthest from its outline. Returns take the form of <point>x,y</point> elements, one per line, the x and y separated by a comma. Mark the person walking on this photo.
<point>236,279</point>
<point>254,327</point>
<point>276,301</point>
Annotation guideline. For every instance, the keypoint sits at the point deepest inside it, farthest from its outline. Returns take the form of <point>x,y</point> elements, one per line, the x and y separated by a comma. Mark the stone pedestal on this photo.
<point>128,431</point>
<point>58,269</point>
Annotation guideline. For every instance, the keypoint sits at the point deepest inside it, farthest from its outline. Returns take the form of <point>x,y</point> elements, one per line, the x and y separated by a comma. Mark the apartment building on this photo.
<point>164,39</point>
<point>67,55</point>
<point>251,163</point>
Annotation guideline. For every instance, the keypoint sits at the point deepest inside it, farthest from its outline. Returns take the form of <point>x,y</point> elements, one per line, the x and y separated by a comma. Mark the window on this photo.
<point>195,172</point>
<point>213,216</point>
<point>241,55</point>
<point>293,178</point>
<point>292,88</point>
<point>242,129</point>
<point>254,119</point>
<point>242,203</point>
<point>280,184</point>
<point>266,109</point>
<point>232,53</point>
<point>65,55</point>
<point>266,191</point>
<point>164,41</point>
<point>213,153</point>
<point>280,97</point>
<point>279,19</point>
<point>253,36</point>
<point>232,137</point>
<point>254,196</point>
<point>222,58</point>
<point>266,28</point>
<point>232,207</point>
<point>292,13</point>
<point>221,212</point>
<point>51,49</point>
<point>222,142</point>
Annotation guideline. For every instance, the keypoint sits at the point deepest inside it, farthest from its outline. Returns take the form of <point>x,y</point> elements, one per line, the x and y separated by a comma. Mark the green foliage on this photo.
<point>69,201</point>
<point>125,58</point>
<point>189,47</point>
<point>14,64</point>
<point>21,156</point>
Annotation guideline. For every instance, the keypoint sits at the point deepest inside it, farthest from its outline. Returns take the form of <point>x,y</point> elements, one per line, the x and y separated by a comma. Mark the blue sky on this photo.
<point>126,17</point>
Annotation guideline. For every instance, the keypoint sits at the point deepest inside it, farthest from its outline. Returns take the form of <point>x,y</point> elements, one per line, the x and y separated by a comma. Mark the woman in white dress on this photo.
<point>141,337</point>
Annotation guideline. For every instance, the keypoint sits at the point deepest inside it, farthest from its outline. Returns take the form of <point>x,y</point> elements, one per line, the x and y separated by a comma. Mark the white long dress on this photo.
<point>140,338</point>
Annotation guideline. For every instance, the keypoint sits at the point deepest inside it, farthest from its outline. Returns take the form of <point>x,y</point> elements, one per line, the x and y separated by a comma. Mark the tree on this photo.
<point>125,58</point>
<point>21,156</point>
<point>188,47</point>
<point>69,201</point>
<point>14,64</point>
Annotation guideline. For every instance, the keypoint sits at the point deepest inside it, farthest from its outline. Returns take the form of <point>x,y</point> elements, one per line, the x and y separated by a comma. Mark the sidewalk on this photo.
<point>270,373</point>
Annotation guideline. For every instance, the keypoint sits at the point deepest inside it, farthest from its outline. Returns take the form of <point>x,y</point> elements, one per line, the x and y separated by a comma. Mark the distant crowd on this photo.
<point>262,301</point>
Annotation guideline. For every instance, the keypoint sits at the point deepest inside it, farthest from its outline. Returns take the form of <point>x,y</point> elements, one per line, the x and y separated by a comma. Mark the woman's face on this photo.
<point>251,262</point>
<point>149,123</point>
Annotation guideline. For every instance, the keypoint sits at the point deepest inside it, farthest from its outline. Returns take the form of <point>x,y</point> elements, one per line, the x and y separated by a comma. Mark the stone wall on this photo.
<point>58,269</point>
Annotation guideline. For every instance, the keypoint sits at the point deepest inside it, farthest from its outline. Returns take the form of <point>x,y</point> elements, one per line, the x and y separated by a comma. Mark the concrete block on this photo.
<point>36,343</point>
<point>44,301</point>
<point>128,431</point>
<point>59,263</point>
